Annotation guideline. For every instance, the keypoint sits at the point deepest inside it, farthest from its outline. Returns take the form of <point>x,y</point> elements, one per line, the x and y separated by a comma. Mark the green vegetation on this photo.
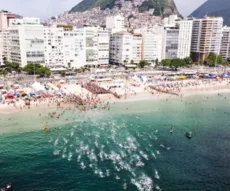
<point>131,16</point>
<point>228,60</point>
<point>62,73</point>
<point>12,66</point>
<point>82,69</point>
<point>143,63</point>
<point>210,61</point>
<point>213,59</point>
<point>166,62</point>
<point>66,27</point>
<point>43,71</point>
<point>177,63</point>
<point>173,63</point>
<point>4,72</point>
<point>158,5</point>
<point>37,69</point>
<point>188,61</point>
<point>90,4</point>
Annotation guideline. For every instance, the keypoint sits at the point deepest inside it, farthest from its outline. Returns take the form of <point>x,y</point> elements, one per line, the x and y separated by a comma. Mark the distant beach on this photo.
<point>123,90</point>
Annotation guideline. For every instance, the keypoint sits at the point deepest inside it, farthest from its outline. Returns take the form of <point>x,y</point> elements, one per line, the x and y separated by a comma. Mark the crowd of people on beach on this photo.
<point>175,88</point>
<point>91,98</point>
<point>95,89</point>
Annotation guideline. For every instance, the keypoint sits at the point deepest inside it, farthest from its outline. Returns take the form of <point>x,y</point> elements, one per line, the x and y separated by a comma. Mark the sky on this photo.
<point>45,9</point>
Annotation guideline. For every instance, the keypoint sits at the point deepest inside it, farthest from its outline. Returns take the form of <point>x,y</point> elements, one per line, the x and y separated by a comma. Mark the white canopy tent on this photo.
<point>37,87</point>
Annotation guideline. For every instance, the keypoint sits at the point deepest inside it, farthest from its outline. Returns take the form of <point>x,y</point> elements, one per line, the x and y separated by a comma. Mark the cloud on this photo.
<point>47,8</point>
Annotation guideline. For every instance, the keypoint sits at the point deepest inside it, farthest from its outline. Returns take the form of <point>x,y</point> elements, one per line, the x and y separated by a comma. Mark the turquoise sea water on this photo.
<point>128,147</point>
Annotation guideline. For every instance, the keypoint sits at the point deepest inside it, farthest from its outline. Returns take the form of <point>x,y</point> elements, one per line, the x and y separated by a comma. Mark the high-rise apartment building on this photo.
<point>225,43</point>
<point>103,38</point>
<point>171,42</point>
<point>26,41</point>
<point>86,46</point>
<point>74,48</point>
<point>153,44</point>
<point>121,48</point>
<point>206,37</point>
<point>137,47</point>
<point>53,41</point>
<point>185,38</point>
<point>178,37</point>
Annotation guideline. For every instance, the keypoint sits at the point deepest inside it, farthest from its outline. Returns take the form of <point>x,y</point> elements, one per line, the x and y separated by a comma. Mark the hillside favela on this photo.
<point>112,95</point>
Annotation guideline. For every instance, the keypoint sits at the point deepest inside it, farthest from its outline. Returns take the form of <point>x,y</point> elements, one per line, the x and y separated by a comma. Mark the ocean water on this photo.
<point>128,147</point>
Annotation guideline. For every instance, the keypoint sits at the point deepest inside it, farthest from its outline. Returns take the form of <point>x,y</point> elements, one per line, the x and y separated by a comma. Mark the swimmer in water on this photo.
<point>46,129</point>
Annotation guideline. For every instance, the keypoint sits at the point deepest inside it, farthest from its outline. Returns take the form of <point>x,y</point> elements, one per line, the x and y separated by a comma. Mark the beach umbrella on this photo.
<point>32,94</point>
<point>16,95</point>
<point>9,95</point>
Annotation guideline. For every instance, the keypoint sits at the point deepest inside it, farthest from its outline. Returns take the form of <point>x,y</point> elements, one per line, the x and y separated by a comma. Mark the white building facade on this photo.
<point>185,38</point>
<point>53,40</point>
<point>153,44</point>
<point>115,22</point>
<point>225,43</point>
<point>74,48</point>
<point>121,48</point>
<point>86,46</point>
<point>26,41</point>
<point>137,48</point>
<point>103,38</point>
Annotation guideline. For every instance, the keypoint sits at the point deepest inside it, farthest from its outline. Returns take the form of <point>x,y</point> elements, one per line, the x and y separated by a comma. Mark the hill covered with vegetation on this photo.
<point>161,7</point>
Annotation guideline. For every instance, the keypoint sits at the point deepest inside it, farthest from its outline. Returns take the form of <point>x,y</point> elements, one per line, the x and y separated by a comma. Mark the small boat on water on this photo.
<point>171,129</point>
<point>188,135</point>
<point>6,188</point>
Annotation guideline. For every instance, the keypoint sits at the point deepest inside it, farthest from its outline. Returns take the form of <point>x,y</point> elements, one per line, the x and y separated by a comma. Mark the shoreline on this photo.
<point>187,92</point>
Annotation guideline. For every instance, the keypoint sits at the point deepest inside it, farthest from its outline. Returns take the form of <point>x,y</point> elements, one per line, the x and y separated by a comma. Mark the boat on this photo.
<point>188,135</point>
<point>6,188</point>
<point>171,129</point>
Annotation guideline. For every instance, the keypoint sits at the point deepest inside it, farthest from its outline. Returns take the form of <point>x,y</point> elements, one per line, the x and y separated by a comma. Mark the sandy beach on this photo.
<point>118,91</point>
